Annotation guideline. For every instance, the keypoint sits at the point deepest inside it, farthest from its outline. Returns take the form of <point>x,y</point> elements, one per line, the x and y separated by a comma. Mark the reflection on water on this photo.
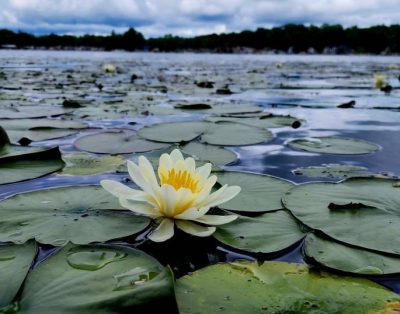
<point>307,87</point>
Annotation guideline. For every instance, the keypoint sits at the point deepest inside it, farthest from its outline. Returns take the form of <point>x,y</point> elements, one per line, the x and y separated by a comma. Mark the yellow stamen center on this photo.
<point>180,179</point>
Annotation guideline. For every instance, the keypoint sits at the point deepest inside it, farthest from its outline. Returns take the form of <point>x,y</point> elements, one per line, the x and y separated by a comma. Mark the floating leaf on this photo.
<point>223,134</point>
<point>277,287</point>
<point>364,211</point>
<point>18,163</point>
<point>268,233</point>
<point>266,121</point>
<point>115,143</point>
<point>349,259</point>
<point>38,111</point>
<point>84,164</point>
<point>260,193</point>
<point>100,279</point>
<point>80,214</point>
<point>332,171</point>
<point>15,261</point>
<point>216,155</point>
<point>39,129</point>
<point>334,145</point>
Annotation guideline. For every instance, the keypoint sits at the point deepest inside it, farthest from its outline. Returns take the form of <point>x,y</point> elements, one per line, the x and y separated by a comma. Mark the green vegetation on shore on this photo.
<point>290,38</point>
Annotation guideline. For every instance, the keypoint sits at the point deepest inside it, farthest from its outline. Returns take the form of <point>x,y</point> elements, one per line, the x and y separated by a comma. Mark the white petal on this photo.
<point>137,177</point>
<point>215,220</point>
<point>193,213</point>
<point>190,164</point>
<point>147,171</point>
<point>118,189</point>
<point>140,208</point>
<point>223,195</point>
<point>205,191</point>
<point>164,164</point>
<point>194,229</point>
<point>204,171</point>
<point>163,232</point>
<point>176,155</point>
<point>170,197</point>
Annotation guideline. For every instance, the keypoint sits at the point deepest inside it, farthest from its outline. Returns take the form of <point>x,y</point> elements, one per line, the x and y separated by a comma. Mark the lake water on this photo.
<point>308,87</point>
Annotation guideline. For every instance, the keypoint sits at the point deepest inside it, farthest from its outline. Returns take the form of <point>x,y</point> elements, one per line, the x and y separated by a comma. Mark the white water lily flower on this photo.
<point>180,196</point>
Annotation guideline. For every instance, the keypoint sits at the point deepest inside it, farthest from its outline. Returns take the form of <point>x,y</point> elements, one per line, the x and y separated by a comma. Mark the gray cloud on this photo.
<point>188,17</point>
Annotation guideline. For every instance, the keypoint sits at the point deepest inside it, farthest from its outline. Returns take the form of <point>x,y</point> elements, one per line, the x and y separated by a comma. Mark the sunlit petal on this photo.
<point>118,189</point>
<point>176,155</point>
<point>164,231</point>
<point>215,220</point>
<point>140,208</point>
<point>195,229</point>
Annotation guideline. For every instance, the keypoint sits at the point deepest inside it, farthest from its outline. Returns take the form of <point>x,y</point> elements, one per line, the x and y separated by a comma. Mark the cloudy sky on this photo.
<point>187,17</point>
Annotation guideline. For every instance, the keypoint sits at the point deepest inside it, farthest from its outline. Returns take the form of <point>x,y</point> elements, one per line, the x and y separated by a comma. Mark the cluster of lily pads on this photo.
<point>345,229</point>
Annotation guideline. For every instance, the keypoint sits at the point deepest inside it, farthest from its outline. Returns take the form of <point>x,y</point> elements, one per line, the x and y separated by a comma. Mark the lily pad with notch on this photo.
<point>116,142</point>
<point>101,279</point>
<point>260,193</point>
<point>279,287</point>
<point>268,233</point>
<point>363,212</point>
<point>78,214</point>
<point>334,145</point>
<point>350,259</point>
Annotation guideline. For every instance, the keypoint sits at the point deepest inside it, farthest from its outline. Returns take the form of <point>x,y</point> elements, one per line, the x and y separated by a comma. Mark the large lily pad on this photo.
<point>277,287</point>
<point>260,193</point>
<point>235,134</point>
<point>265,121</point>
<point>364,212</point>
<point>15,261</point>
<point>100,279</point>
<point>18,163</point>
<point>334,145</point>
<point>224,134</point>
<point>268,233</point>
<point>332,171</point>
<point>29,111</point>
<point>39,129</point>
<point>218,156</point>
<point>84,164</point>
<point>342,257</point>
<point>116,143</point>
<point>80,214</point>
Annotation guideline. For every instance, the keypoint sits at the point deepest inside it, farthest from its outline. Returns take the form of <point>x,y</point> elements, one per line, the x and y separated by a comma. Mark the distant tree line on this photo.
<point>289,38</point>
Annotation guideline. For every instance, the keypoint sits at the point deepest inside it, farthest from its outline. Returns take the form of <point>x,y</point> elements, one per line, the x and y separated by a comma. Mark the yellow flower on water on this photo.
<point>181,195</point>
<point>380,81</point>
<point>109,68</point>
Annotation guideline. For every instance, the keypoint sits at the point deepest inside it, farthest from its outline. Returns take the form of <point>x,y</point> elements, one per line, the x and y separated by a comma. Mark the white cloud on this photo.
<point>188,17</point>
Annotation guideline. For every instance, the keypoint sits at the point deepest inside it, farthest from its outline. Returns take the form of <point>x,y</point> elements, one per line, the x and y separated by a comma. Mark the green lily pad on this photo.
<point>101,279</point>
<point>204,108</point>
<point>235,134</point>
<point>278,287</point>
<point>173,132</point>
<point>260,193</point>
<point>223,134</point>
<point>38,111</point>
<point>266,121</point>
<point>334,145</point>
<point>18,163</point>
<point>350,259</point>
<point>115,143</point>
<point>359,211</point>
<point>84,164</point>
<point>39,129</point>
<point>27,169</point>
<point>15,261</point>
<point>218,156</point>
<point>80,214</point>
<point>332,171</point>
<point>268,233</point>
